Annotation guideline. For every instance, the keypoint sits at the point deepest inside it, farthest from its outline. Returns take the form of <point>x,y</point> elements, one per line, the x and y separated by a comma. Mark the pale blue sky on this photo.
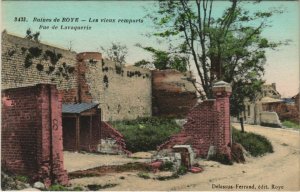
<point>282,65</point>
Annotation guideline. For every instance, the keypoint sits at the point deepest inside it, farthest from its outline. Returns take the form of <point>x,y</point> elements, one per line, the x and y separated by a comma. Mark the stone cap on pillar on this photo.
<point>221,87</point>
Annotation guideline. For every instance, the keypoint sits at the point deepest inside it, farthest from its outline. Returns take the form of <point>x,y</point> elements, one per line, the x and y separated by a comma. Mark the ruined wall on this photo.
<point>268,118</point>
<point>288,112</point>
<point>32,133</point>
<point>208,124</point>
<point>26,63</point>
<point>112,141</point>
<point>172,93</point>
<point>123,93</point>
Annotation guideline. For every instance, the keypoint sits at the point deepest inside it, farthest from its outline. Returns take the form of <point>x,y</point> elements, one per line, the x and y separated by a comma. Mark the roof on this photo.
<point>78,107</point>
<point>270,100</point>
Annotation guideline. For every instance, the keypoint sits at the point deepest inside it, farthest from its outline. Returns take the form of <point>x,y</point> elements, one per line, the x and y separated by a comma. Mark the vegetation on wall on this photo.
<point>11,52</point>
<point>23,49</point>
<point>32,36</point>
<point>63,70</point>
<point>105,81</point>
<point>54,57</point>
<point>163,60</point>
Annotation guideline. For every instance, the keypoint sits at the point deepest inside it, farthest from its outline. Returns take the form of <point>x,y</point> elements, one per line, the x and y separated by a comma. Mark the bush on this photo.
<point>221,158</point>
<point>144,175</point>
<point>22,178</point>
<point>182,170</point>
<point>163,178</point>
<point>145,134</point>
<point>167,166</point>
<point>95,187</point>
<point>57,187</point>
<point>256,145</point>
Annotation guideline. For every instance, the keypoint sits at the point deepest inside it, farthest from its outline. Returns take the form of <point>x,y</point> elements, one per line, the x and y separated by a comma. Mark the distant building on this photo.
<point>263,109</point>
<point>296,99</point>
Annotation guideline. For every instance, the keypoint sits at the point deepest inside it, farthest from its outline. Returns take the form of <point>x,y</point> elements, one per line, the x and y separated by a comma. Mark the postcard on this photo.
<point>195,95</point>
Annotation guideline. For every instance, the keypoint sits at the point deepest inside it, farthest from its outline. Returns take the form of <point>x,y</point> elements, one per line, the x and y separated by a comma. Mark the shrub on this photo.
<point>221,158</point>
<point>182,170</point>
<point>22,178</point>
<point>57,187</point>
<point>95,187</point>
<point>145,134</point>
<point>163,178</point>
<point>256,145</point>
<point>167,166</point>
<point>290,124</point>
<point>144,175</point>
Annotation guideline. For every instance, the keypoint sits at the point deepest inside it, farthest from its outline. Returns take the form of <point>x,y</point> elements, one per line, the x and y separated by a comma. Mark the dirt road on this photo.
<point>276,171</point>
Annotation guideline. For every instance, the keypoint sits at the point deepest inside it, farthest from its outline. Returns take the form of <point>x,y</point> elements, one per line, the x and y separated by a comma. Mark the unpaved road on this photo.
<point>276,171</point>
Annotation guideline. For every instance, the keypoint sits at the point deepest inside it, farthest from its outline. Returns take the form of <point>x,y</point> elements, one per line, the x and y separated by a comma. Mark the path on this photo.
<point>83,161</point>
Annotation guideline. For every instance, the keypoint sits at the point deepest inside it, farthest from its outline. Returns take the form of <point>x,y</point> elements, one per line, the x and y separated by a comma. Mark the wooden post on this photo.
<point>91,126</point>
<point>78,133</point>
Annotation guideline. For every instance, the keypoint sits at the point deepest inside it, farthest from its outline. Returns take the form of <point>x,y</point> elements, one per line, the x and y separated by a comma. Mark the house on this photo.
<point>262,111</point>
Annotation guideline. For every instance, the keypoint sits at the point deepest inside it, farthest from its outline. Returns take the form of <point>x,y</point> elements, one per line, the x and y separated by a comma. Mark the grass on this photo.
<point>221,158</point>
<point>256,145</point>
<point>95,187</point>
<point>144,175</point>
<point>290,124</point>
<point>167,166</point>
<point>145,134</point>
<point>57,187</point>
<point>22,178</point>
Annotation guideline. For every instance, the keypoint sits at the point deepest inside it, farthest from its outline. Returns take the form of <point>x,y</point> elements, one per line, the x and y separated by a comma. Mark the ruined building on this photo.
<point>55,99</point>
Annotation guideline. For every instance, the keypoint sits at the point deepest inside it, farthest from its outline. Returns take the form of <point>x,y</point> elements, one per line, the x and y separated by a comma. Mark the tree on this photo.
<point>229,47</point>
<point>116,53</point>
<point>164,60</point>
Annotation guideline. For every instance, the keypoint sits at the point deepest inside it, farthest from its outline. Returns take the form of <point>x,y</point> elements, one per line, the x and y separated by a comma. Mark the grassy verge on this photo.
<point>290,124</point>
<point>256,145</point>
<point>145,134</point>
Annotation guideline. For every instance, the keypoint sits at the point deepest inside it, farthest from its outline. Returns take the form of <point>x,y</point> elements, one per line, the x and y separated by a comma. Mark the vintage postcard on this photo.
<point>174,95</point>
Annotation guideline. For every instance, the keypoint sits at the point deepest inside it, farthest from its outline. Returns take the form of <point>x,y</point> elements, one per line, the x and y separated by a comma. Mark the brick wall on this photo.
<point>107,131</point>
<point>123,93</point>
<point>26,63</point>
<point>208,124</point>
<point>32,133</point>
<point>172,93</point>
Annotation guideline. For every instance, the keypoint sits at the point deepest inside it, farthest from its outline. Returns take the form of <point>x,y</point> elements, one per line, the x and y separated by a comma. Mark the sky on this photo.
<point>282,65</point>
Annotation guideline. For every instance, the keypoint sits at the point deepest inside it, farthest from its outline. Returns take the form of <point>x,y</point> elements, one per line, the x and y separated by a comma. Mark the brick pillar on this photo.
<point>222,92</point>
<point>50,149</point>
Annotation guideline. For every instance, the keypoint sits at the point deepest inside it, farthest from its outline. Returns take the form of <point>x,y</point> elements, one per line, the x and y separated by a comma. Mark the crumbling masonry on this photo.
<point>208,124</point>
<point>32,133</point>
